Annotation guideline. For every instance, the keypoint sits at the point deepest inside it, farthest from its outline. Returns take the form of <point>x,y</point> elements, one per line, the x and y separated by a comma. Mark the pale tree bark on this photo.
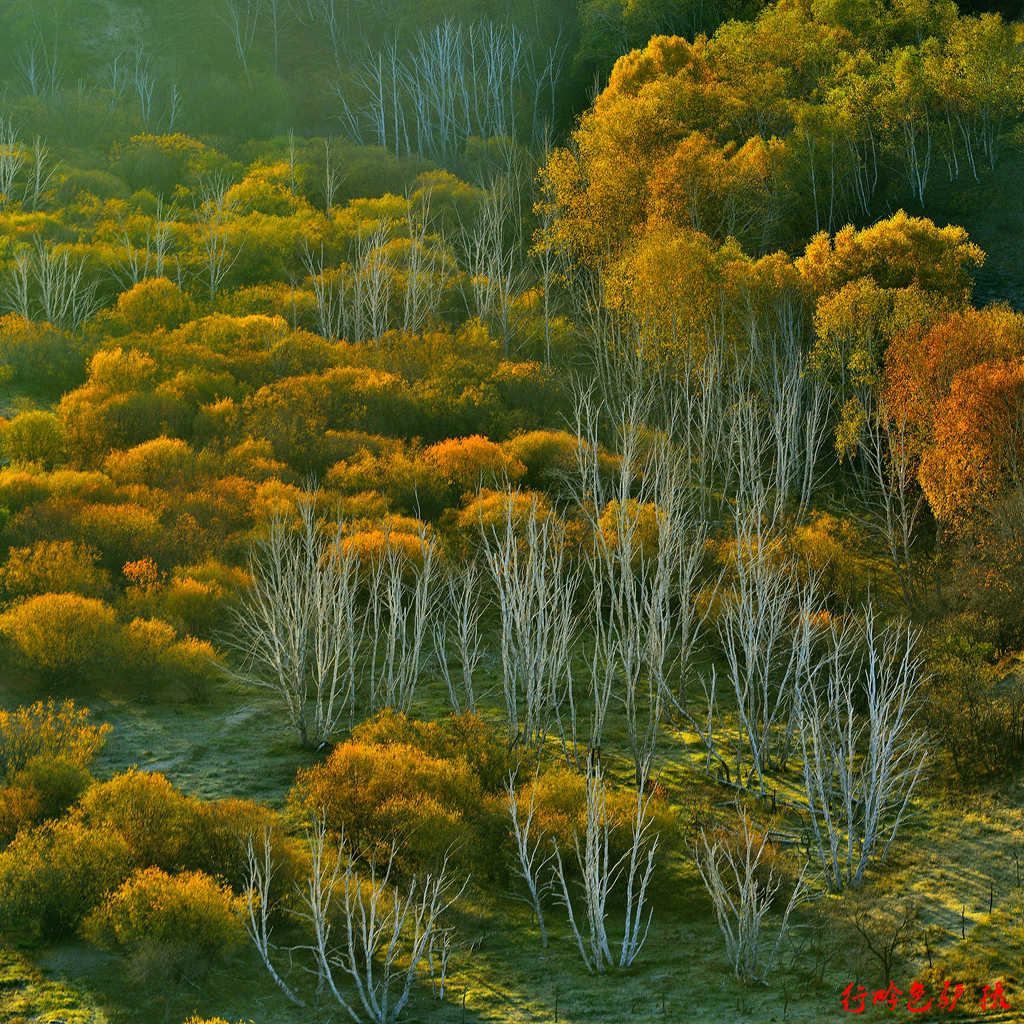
<point>49,285</point>
<point>893,494</point>
<point>361,926</point>
<point>529,843</point>
<point>767,628</point>
<point>742,894</point>
<point>399,621</point>
<point>12,160</point>
<point>535,595</point>
<point>457,628</point>
<point>861,768</point>
<point>599,874</point>
<point>213,215</point>
<point>298,626</point>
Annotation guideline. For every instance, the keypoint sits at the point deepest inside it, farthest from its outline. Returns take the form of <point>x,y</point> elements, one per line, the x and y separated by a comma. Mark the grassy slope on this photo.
<point>239,746</point>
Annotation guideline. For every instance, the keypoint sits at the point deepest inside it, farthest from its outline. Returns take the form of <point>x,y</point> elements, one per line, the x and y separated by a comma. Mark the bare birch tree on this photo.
<point>12,160</point>
<point>213,215</point>
<point>49,285</point>
<point>535,594</point>
<point>297,628</point>
<point>861,768</point>
<point>600,873</point>
<point>767,631</point>
<point>892,494</point>
<point>742,895</point>
<point>361,927</point>
<point>529,842</point>
<point>457,628</point>
<point>399,622</point>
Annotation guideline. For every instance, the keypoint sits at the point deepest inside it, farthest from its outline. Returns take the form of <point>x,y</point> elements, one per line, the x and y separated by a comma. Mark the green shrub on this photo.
<point>42,360</point>
<point>173,926</point>
<point>154,819</point>
<point>48,730</point>
<point>64,637</point>
<point>101,184</point>
<point>54,567</point>
<point>35,437</point>
<point>973,711</point>
<point>42,790</point>
<point>52,876</point>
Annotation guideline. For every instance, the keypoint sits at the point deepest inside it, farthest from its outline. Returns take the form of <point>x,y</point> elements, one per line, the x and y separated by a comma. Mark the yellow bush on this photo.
<point>560,805</point>
<point>467,737</point>
<point>176,924</point>
<point>491,510</point>
<point>52,876</point>
<point>22,487</point>
<point>371,544</point>
<point>164,462</point>
<point>380,793</point>
<point>123,532</point>
<point>153,304</point>
<point>543,453</point>
<point>63,634</point>
<point>53,566</point>
<point>468,462</point>
<point>828,545</point>
<point>35,437</point>
<point>154,819</point>
<point>637,521</point>
<point>49,730</point>
<point>217,843</point>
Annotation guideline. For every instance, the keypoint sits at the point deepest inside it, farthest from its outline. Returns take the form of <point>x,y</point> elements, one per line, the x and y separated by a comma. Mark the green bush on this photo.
<point>48,730</point>
<point>35,437</point>
<point>64,637</point>
<point>972,710</point>
<point>42,360</point>
<point>45,788</point>
<point>154,819</point>
<point>173,926</point>
<point>53,876</point>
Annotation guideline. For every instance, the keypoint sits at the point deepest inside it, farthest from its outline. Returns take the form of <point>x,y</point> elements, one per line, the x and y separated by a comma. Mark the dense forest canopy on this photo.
<point>493,492</point>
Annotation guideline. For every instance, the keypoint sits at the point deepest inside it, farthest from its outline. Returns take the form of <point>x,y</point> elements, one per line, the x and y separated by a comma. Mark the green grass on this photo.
<point>949,857</point>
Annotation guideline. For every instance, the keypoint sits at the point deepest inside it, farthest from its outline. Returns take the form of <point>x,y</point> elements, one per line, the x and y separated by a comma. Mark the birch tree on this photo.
<point>399,621</point>
<point>297,627</point>
<point>599,873</point>
<point>368,937</point>
<point>767,628</point>
<point>456,629</point>
<point>50,285</point>
<point>742,894</point>
<point>535,595</point>
<point>213,216</point>
<point>12,160</point>
<point>530,845</point>
<point>861,767</point>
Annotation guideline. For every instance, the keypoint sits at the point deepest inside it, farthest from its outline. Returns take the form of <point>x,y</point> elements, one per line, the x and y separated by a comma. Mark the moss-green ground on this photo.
<point>957,851</point>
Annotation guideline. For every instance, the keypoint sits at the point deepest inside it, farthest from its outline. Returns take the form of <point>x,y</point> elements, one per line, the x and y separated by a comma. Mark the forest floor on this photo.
<point>957,853</point>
